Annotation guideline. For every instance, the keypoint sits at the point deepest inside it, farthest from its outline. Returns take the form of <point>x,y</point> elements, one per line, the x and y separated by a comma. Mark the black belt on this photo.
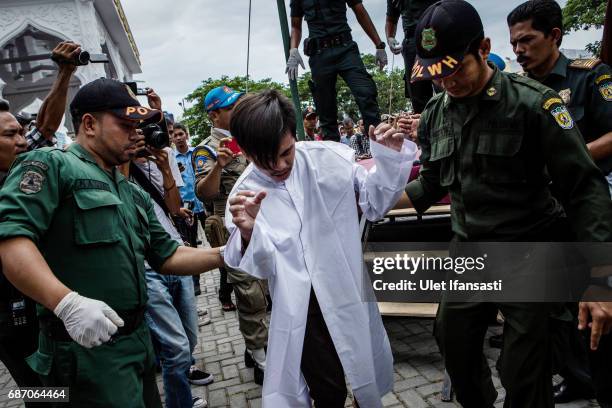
<point>54,328</point>
<point>331,41</point>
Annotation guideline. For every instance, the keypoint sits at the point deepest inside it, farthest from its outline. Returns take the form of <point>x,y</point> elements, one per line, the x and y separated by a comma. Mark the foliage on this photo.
<point>583,15</point>
<point>387,83</point>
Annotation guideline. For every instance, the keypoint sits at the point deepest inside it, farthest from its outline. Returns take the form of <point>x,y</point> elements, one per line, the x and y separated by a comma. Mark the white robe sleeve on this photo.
<point>382,186</point>
<point>258,259</point>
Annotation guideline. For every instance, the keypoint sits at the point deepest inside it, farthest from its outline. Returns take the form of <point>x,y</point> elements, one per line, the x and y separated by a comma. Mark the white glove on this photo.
<point>394,45</point>
<point>293,61</point>
<point>89,322</point>
<point>381,58</point>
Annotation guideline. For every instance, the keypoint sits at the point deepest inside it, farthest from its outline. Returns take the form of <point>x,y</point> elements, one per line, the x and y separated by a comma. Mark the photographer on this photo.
<point>18,324</point>
<point>74,234</point>
<point>171,308</point>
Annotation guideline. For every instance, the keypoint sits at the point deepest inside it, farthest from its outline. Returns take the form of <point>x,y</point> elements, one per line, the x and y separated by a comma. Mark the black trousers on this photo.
<point>320,364</point>
<point>14,349</point>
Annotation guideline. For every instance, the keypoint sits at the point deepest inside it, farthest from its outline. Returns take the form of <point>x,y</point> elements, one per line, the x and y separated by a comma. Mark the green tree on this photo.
<point>196,117</point>
<point>583,15</point>
<point>390,89</point>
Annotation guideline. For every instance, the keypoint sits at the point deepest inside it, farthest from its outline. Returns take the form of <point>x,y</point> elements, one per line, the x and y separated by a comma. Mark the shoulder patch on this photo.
<point>31,182</point>
<point>563,117</point>
<point>35,163</point>
<point>585,63</point>
<point>605,90</point>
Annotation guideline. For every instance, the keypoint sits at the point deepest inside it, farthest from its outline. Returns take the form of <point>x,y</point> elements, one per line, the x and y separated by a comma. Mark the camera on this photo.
<point>155,135</point>
<point>135,89</point>
<point>83,58</point>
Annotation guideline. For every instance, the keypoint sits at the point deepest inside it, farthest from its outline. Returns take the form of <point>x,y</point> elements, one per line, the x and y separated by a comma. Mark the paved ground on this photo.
<point>418,366</point>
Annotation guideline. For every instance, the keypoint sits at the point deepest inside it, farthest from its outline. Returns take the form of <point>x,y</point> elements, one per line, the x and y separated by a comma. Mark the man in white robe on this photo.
<point>304,238</point>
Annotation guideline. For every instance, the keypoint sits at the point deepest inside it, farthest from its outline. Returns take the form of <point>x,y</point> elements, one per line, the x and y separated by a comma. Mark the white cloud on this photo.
<point>183,42</point>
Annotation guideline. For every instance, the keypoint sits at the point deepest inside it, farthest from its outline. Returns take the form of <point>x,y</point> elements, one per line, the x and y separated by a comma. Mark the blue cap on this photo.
<point>497,60</point>
<point>221,97</point>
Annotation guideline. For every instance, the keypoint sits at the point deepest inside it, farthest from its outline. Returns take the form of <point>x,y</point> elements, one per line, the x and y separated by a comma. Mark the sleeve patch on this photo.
<point>606,91</point>
<point>563,117</point>
<point>31,182</point>
<point>550,102</point>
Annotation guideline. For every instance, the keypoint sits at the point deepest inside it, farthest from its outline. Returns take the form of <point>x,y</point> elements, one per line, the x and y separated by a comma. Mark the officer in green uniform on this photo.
<point>333,52</point>
<point>74,234</point>
<point>214,181</point>
<point>585,86</point>
<point>494,141</point>
<point>410,10</point>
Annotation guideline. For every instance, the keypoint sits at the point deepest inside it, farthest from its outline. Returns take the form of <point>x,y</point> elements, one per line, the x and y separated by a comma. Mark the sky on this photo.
<point>183,42</point>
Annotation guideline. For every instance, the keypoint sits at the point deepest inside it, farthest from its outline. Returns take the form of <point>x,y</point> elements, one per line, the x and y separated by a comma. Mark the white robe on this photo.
<point>307,233</point>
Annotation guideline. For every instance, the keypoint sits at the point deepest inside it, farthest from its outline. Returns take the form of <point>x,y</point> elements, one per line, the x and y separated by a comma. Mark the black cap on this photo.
<point>109,95</point>
<point>443,35</point>
<point>309,111</point>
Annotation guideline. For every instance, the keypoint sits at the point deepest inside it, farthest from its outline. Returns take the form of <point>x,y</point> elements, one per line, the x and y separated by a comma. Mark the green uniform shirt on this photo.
<point>410,10</point>
<point>496,154</point>
<point>324,17</point>
<point>93,228</point>
<point>229,174</point>
<point>587,92</point>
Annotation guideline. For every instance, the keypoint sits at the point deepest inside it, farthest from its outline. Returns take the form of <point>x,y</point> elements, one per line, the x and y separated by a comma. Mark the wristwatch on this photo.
<point>381,46</point>
<point>604,281</point>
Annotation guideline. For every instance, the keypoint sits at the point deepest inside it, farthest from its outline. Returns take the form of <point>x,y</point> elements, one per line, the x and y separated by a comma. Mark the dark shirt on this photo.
<point>324,17</point>
<point>410,10</point>
<point>587,92</point>
<point>496,155</point>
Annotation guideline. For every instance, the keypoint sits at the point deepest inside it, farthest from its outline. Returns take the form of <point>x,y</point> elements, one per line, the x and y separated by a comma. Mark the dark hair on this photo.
<point>259,123</point>
<point>4,106</point>
<point>179,125</point>
<point>77,119</point>
<point>545,15</point>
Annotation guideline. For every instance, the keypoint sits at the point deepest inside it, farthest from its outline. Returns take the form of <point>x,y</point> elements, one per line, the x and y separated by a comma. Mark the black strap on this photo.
<point>144,182</point>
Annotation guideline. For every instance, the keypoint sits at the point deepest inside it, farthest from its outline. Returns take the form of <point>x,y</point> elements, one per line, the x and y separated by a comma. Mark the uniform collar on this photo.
<point>560,68</point>
<point>82,153</point>
<point>189,150</point>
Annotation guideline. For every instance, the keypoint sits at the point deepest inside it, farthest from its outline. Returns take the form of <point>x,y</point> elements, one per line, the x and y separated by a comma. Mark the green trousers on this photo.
<point>120,375</point>
<point>460,330</point>
<point>345,61</point>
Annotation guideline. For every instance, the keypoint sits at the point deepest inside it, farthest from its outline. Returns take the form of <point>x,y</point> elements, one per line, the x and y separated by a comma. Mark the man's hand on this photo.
<point>160,158</point>
<point>65,52</point>
<point>601,320</point>
<point>244,207</point>
<point>153,99</point>
<point>409,125</point>
<point>388,136</point>
<point>89,322</point>
<point>224,154</point>
<point>293,61</point>
<point>394,45</point>
<point>381,58</point>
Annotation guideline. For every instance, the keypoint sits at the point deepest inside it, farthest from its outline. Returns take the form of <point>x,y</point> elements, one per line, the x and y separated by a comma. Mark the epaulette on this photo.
<point>584,63</point>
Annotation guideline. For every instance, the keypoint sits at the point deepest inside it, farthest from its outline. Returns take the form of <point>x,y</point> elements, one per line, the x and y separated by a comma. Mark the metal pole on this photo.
<point>282,16</point>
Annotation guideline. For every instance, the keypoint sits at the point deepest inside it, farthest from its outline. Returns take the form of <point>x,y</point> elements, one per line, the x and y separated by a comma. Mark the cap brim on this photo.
<point>230,100</point>
<point>138,113</point>
<point>311,114</point>
<point>435,68</point>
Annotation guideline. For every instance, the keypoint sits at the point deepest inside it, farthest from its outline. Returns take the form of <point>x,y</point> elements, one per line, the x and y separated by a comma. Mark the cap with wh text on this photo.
<point>109,95</point>
<point>221,97</point>
<point>444,33</point>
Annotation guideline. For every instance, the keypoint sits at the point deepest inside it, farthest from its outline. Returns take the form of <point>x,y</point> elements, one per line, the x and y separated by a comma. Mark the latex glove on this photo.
<point>381,58</point>
<point>89,322</point>
<point>394,45</point>
<point>294,60</point>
